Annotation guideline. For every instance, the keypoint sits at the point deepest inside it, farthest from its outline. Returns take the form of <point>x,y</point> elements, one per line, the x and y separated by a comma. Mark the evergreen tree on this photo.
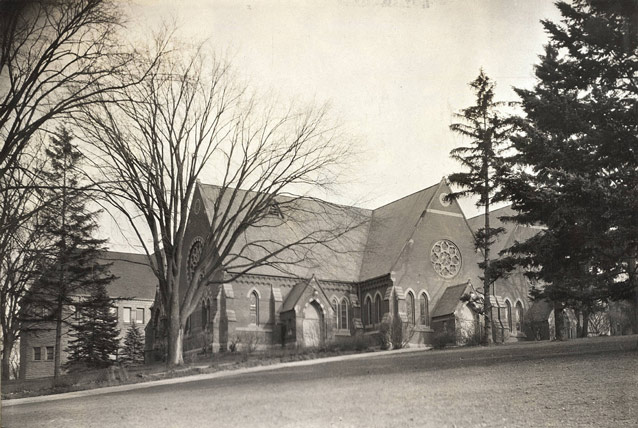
<point>71,267</point>
<point>576,164</point>
<point>133,350</point>
<point>488,131</point>
<point>95,336</point>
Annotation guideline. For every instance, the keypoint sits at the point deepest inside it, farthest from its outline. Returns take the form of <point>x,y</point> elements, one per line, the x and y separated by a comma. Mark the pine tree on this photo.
<point>95,336</point>
<point>576,167</point>
<point>133,350</point>
<point>71,267</point>
<point>488,131</point>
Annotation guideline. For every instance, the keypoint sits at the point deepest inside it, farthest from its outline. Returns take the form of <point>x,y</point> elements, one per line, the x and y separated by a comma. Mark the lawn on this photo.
<point>591,383</point>
<point>580,383</point>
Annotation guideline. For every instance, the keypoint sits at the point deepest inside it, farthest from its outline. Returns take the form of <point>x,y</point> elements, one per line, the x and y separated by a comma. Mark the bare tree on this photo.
<point>55,57</point>
<point>187,116</point>
<point>22,246</point>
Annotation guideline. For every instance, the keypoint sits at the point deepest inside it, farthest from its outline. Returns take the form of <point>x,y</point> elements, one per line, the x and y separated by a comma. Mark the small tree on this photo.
<point>133,349</point>
<point>488,131</point>
<point>95,336</point>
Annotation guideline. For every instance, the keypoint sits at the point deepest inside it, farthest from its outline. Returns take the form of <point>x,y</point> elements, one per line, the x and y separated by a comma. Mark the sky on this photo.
<point>393,71</point>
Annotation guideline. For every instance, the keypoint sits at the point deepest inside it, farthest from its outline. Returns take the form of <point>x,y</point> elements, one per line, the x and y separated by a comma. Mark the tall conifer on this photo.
<point>576,167</point>
<point>487,132</point>
<point>71,268</point>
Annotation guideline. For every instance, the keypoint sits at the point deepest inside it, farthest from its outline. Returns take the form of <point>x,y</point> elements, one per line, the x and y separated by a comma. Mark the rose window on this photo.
<point>193,259</point>
<point>446,258</point>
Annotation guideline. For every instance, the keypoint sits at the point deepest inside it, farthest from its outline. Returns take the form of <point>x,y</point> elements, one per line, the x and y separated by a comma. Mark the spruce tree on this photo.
<point>95,335</point>
<point>71,267</point>
<point>576,167</point>
<point>133,349</point>
<point>487,131</point>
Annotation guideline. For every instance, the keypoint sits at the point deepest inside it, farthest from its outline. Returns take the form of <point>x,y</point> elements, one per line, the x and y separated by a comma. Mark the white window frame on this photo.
<point>130,314</point>
<point>137,312</point>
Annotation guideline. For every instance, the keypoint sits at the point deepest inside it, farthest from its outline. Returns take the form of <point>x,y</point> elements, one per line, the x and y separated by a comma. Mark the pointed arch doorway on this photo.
<point>312,319</point>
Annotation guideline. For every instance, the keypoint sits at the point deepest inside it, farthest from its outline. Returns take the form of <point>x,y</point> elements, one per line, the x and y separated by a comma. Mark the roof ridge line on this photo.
<point>407,196</point>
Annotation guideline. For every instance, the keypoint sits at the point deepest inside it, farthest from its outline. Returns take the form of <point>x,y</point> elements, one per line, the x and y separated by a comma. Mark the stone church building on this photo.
<point>412,261</point>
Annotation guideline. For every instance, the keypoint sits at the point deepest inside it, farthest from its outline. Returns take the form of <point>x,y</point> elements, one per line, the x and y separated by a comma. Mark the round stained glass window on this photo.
<point>193,258</point>
<point>446,258</point>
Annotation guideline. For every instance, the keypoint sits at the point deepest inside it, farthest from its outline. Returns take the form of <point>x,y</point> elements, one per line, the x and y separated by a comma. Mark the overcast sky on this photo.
<point>394,75</point>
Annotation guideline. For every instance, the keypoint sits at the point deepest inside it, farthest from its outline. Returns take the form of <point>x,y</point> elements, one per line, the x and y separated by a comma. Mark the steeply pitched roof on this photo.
<point>513,231</point>
<point>297,292</point>
<point>134,277</point>
<point>450,300</point>
<point>338,258</point>
<point>390,229</point>
<point>497,302</point>
<point>293,297</point>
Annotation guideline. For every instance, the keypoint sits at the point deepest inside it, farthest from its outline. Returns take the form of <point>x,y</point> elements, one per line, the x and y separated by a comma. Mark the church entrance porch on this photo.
<point>312,326</point>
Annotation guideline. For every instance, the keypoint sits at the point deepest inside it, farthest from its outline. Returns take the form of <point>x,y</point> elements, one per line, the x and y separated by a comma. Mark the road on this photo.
<point>585,382</point>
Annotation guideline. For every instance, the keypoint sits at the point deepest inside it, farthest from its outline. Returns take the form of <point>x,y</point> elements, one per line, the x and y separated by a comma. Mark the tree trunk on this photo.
<point>579,327</point>
<point>175,332</point>
<point>58,343</point>
<point>489,339</point>
<point>487,304</point>
<point>633,278</point>
<point>559,321</point>
<point>585,327</point>
<point>7,347</point>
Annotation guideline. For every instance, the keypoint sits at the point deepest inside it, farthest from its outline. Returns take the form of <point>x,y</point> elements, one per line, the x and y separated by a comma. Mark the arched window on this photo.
<point>368,310</point>
<point>508,314</point>
<point>424,306</point>
<point>409,301</point>
<point>254,308</point>
<point>343,314</point>
<point>519,316</point>
<point>335,307</point>
<point>377,308</point>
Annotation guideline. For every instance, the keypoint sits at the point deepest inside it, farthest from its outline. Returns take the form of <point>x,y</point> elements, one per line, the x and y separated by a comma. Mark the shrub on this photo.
<point>249,341</point>
<point>68,380</point>
<point>233,343</point>
<point>401,333</point>
<point>396,333</point>
<point>473,339</point>
<point>361,342</point>
<point>443,338</point>
<point>384,336</point>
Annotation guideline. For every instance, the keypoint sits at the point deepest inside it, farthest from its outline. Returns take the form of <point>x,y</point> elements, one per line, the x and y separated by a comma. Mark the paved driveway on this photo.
<point>591,382</point>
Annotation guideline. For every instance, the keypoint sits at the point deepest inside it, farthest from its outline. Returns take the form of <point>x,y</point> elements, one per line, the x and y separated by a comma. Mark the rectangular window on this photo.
<point>140,316</point>
<point>49,353</point>
<point>37,354</point>
<point>127,315</point>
